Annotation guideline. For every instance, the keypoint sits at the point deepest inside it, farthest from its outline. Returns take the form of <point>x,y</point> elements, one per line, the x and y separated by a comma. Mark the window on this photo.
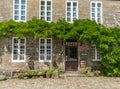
<point>46,10</point>
<point>96,11</point>
<point>95,53</point>
<point>45,49</point>
<point>19,10</point>
<point>18,49</point>
<point>71,11</point>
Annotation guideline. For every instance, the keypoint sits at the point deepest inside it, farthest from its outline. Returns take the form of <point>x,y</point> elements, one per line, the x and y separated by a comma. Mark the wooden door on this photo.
<point>71,63</point>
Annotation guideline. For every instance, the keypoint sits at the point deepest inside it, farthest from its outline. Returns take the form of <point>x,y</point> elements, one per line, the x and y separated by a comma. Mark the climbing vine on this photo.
<point>106,39</point>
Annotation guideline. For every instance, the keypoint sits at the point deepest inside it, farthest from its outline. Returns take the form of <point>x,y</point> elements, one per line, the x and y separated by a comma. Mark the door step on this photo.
<point>72,74</point>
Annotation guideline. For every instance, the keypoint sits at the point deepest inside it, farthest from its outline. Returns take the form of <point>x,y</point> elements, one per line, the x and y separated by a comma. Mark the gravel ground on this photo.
<point>66,83</point>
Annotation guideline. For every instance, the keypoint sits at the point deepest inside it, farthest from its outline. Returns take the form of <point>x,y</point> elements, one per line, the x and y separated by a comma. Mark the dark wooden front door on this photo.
<point>71,60</point>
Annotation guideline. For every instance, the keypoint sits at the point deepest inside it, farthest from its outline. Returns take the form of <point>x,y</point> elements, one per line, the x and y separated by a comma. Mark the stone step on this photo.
<point>72,74</point>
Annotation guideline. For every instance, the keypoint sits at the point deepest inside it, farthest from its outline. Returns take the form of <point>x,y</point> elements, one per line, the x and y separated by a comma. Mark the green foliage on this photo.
<point>106,39</point>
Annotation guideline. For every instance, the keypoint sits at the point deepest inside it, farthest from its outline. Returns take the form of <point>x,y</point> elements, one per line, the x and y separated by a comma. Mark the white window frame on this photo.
<point>18,49</point>
<point>96,11</point>
<point>19,10</point>
<point>95,53</point>
<point>45,10</point>
<point>71,15</point>
<point>45,50</point>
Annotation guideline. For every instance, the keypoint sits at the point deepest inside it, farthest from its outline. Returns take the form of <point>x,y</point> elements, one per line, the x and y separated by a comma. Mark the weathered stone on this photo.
<point>2,77</point>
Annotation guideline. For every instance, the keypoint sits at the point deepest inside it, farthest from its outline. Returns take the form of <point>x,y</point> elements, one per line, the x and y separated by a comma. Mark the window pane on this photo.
<point>93,14</point>
<point>22,40</point>
<point>21,57</point>
<point>15,52</point>
<point>48,13</point>
<point>93,9</point>
<point>42,57</point>
<point>15,57</point>
<point>74,4</point>
<point>16,12</point>
<point>93,4</point>
<point>68,4</point>
<point>68,19</point>
<point>23,7</point>
<point>42,13</point>
<point>48,19</point>
<point>42,3</point>
<point>42,8</point>
<point>48,57</point>
<point>48,8</point>
<point>48,41</point>
<point>22,1</point>
<point>22,12</point>
<point>22,17</point>
<point>98,4</point>
<point>48,3</point>
<point>17,7</point>
<point>15,40</point>
<point>16,1</point>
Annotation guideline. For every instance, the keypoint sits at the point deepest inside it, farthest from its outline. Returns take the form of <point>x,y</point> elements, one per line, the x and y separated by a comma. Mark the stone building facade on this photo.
<point>70,55</point>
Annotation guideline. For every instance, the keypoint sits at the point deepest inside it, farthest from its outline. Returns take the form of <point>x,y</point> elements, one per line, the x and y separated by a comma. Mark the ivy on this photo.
<point>106,39</point>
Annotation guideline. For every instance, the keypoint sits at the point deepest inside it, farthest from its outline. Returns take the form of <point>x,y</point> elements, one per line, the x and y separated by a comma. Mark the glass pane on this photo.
<point>42,2</point>
<point>42,52</point>
<point>16,17</point>
<point>22,1</point>
<point>42,41</point>
<point>74,9</point>
<point>48,19</point>
<point>16,1</point>
<point>74,15</point>
<point>21,51</point>
<point>48,14</point>
<point>15,51</point>
<point>48,47</point>
<point>42,47</point>
<point>15,40</point>
<point>22,12</point>
<point>69,19</point>
<point>98,9</point>
<point>48,51</point>
<point>98,14</point>
<point>93,4</point>
<point>22,40</point>
<point>48,8</point>
<point>68,4</point>
<point>17,7</point>
<point>15,57</point>
<point>16,12</point>
<point>74,4</point>
<point>68,14</point>
<point>23,7</point>
<point>98,20</point>
<point>48,3</point>
<point>68,9</point>
<point>15,47</point>
<point>43,18</point>
<point>98,4</point>
<point>48,57</point>
<point>21,57</point>
<point>93,14</point>
<point>93,9</point>
<point>43,13</point>
<point>42,8</point>
<point>22,47</point>
<point>42,57</point>
<point>48,41</point>
<point>22,17</point>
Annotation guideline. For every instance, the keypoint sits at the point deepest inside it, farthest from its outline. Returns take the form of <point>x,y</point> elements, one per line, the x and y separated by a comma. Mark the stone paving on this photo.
<point>66,83</point>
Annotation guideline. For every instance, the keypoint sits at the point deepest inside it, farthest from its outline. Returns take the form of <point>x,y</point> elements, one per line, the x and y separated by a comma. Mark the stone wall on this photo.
<point>111,10</point>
